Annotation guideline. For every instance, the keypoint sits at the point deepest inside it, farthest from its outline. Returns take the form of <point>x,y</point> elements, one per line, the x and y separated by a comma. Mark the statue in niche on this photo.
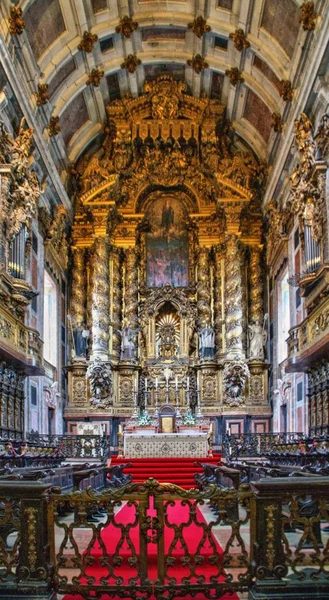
<point>257,339</point>
<point>128,343</point>
<point>80,338</point>
<point>207,342</point>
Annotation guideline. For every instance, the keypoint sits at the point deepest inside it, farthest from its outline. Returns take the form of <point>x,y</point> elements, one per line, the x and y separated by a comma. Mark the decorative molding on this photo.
<point>276,122</point>
<point>16,22</point>
<point>240,40</point>
<point>286,90</point>
<point>87,42</point>
<point>234,75</point>
<point>94,77</point>
<point>53,127</point>
<point>199,26</point>
<point>42,95</point>
<point>198,63</point>
<point>131,62</point>
<point>308,16</point>
<point>126,26</point>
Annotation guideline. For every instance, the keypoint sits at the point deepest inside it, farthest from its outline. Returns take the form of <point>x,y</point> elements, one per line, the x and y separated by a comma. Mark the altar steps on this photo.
<point>180,471</point>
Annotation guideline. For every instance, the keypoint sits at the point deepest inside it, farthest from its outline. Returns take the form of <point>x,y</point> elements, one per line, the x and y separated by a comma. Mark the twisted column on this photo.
<point>218,305</point>
<point>256,285</point>
<point>78,295</point>
<point>233,298</point>
<point>131,288</point>
<point>100,299</point>
<point>116,300</point>
<point>203,289</point>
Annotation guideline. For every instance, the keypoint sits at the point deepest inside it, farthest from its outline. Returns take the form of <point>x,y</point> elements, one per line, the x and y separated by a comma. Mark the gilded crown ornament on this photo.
<point>240,39</point>
<point>16,23</point>
<point>234,75</point>
<point>42,95</point>
<point>53,127</point>
<point>198,63</point>
<point>131,62</point>
<point>276,123</point>
<point>286,90</point>
<point>308,16</point>
<point>126,26</point>
<point>199,26</point>
<point>87,42</point>
<point>94,77</point>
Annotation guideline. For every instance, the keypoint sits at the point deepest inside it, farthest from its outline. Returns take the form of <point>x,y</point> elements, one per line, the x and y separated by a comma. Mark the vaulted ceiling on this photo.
<point>277,45</point>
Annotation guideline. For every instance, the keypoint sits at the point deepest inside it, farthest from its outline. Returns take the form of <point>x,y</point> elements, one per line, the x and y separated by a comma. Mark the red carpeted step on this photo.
<point>179,471</point>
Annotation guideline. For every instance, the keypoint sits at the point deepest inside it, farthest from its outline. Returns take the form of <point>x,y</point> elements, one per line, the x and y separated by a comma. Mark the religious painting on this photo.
<point>167,244</point>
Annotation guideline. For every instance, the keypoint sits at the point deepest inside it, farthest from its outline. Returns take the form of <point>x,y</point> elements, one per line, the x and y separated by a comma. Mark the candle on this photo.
<point>156,383</point>
<point>188,383</point>
<point>134,385</point>
<point>120,428</point>
<point>211,426</point>
<point>145,384</point>
<point>176,382</point>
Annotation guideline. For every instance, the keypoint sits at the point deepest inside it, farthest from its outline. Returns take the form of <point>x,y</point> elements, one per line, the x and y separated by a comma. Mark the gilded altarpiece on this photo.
<point>167,263</point>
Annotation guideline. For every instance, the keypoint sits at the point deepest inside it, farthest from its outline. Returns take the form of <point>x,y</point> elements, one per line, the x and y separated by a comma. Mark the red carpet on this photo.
<point>165,470</point>
<point>182,539</point>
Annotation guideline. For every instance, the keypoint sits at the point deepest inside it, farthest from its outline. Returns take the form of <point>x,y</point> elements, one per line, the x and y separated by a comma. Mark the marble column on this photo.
<point>203,289</point>
<point>233,299</point>
<point>100,299</point>
<point>256,285</point>
<point>78,296</point>
<point>218,304</point>
<point>116,300</point>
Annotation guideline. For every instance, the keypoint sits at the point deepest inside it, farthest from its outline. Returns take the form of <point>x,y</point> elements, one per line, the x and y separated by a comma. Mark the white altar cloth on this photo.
<point>157,445</point>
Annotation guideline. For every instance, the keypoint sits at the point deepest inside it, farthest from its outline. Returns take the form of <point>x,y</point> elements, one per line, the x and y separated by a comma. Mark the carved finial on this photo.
<point>276,123</point>
<point>240,39</point>
<point>198,63</point>
<point>94,77</point>
<point>234,75</point>
<point>131,62</point>
<point>53,127</point>
<point>126,26</point>
<point>88,41</point>
<point>199,26</point>
<point>286,90</point>
<point>308,16</point>
<point>16,23</point>
<point>42,95</point>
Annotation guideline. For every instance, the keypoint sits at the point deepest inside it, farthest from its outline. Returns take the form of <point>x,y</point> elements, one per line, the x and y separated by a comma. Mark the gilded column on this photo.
<point>203,289</point>
<point>116,300</point>
<point>131,289</point>
<point>233,298</point>
<point>218,305</point>
<point>78,297</point>
<point>256,285</point>
<point>100,299</point>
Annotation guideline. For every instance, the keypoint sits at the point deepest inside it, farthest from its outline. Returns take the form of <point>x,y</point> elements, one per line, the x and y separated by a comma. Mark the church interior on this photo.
<point>164,310</point>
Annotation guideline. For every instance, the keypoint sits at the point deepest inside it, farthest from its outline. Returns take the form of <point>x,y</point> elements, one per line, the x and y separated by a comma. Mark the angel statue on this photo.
<point>257,338</point>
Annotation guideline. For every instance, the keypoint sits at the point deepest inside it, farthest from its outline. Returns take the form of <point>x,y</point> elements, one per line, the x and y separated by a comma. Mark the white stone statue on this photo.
<point>128,345</point>
<point>206,342</point>
<point>257,339</point>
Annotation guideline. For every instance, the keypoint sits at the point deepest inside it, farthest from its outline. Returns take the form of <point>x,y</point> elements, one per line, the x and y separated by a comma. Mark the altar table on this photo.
<point>156,445</point>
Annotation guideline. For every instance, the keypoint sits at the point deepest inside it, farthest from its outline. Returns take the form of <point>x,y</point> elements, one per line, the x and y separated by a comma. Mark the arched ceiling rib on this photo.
<point>162,39</point>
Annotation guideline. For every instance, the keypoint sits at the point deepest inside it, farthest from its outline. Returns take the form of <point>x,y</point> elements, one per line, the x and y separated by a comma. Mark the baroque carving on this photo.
<point>131,62</point>
<point>235,376</point>
<point>322,136</point>
<point>276,122</point>
<point>239,39</point>
<point>94,77</point>
<point>233,297</point>
<point>42,95</point>
<point>234,75</point>
<point>87,42</point>
<point>100,378</point>
<point>199,26</point>
<point>16,22</point>
<point>198,63</point>
<point>308,16</point>
<point>126,26</point>
<point>100,297</point>
<point>286,90</point>
<point>53,126</point>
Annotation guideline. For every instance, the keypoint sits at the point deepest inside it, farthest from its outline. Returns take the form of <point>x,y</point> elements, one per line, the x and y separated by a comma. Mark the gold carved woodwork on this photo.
<point>199,26</point>
<point>94,77</point>
<point>126,26</point>
<point>198,63</point>
<point>256,285</point>
<point>16,22</point>
<point>286,90</point>
<point>239,39</point>
<point>233,297</point>
<point>87,42</point>
<point>53,126</point>
<point>131,62</point>
<point>234,75</point>
<point>308,16</point>
<point>276,123</point>
<point>42,95</point>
